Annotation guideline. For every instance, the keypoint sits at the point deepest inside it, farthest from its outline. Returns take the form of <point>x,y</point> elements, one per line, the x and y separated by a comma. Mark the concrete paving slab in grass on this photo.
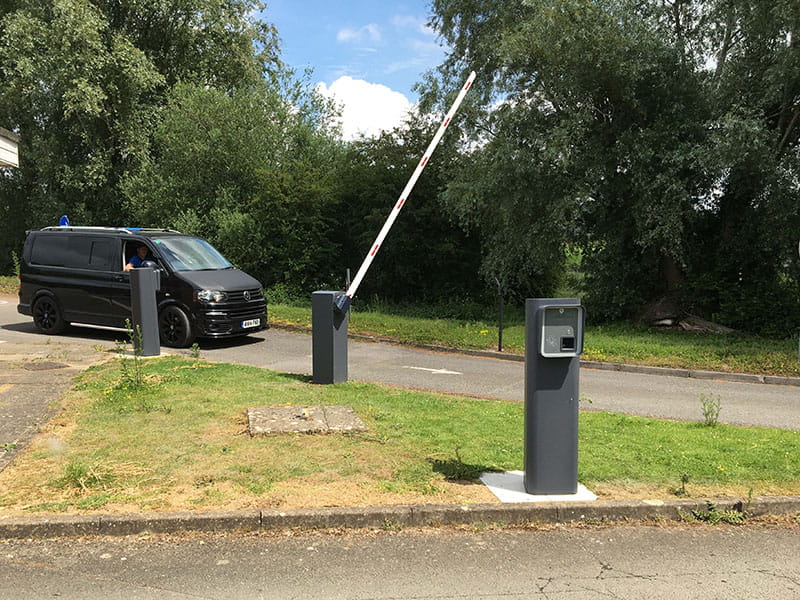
<point>276,420</point>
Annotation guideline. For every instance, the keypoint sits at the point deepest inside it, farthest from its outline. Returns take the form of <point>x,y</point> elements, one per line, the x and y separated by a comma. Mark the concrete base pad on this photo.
<point>273,420</point>
<point>510,487</point>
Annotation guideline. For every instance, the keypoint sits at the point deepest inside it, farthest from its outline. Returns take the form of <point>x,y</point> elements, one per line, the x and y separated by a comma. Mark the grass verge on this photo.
<point>180,442</point>
<point>616,343</point>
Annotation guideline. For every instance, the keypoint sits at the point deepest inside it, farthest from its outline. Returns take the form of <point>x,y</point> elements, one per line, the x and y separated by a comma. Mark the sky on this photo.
<point>365,54</point>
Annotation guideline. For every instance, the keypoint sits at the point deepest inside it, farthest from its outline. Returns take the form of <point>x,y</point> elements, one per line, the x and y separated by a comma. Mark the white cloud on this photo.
<point>367,33</point>
<point>424,54</point>
<point>425,47</point>
<point>367,108</point>
<point>409,22</point>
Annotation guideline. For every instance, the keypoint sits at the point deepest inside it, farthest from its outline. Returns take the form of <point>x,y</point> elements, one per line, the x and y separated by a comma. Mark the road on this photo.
<point>631,393</point>
<point>559,564</point>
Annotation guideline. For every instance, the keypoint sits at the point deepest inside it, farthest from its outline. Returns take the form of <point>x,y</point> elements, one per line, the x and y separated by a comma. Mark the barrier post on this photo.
<point>553,343</point>
<point>329,338</point>
<point>145,282</point>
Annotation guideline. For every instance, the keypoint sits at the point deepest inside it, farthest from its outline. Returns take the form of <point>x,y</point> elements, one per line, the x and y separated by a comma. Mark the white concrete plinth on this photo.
<point>510,487</point>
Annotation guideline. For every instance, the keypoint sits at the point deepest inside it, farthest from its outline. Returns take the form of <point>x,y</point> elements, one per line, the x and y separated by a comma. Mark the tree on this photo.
<point>76,93</point>
<point>745,256</point>
<point>249,171</point>
<point>645,128</point>
<point>83,84</point>
<point>586,146</point>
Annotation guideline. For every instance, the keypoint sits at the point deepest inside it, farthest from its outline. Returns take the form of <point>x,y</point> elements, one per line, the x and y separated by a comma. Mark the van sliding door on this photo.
<point>89,259</point>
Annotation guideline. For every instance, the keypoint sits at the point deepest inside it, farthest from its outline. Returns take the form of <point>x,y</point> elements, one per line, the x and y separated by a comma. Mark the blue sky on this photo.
<point>366,54</point>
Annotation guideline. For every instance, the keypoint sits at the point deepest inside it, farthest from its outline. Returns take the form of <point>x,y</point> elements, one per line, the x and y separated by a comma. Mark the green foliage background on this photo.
<point>659,137</point>
<point>629,152</point>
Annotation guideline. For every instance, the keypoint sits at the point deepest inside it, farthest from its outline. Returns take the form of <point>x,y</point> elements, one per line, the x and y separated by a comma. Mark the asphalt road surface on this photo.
<point>631,393</point>
<point>685,562</point>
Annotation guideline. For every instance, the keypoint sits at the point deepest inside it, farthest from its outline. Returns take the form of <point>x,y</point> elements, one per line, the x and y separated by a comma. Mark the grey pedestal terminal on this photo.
<point>145,282</point>
<point>329,339</point>
<point>553,343</point>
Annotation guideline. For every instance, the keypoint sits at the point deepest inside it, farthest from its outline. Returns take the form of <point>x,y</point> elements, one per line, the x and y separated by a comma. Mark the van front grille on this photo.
<point>246,312</point>
<point>255,294</point>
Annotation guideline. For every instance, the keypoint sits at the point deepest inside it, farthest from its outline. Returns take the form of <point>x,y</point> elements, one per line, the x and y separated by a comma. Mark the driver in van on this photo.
<point>142,254</point>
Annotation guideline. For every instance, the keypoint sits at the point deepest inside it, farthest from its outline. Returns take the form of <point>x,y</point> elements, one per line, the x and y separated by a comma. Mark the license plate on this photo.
<point>251,323</point>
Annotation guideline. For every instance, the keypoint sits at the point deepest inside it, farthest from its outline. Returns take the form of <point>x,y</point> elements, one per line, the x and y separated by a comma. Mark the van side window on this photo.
<point>49,250</point>
<point>101,255</point>
<point>130,252</point>
<point>73,252</point>
<point>76,253</point>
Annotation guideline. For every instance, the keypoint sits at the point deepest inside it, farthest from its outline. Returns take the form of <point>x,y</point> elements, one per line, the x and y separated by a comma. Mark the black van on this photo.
<point>77,275</point>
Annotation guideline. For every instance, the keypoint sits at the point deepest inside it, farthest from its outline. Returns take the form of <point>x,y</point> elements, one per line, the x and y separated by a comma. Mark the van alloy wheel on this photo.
<point>174,328</point>
<point>47,316</point>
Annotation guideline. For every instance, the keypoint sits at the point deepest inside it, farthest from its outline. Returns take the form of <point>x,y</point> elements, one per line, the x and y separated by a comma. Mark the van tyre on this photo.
<point>47,316</point>
<point>174,328</point>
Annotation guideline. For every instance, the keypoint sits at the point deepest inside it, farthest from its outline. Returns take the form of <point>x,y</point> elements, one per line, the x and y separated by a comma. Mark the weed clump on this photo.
<point>681,491</point>
<point>133,391</point>
<point>714,516</point>
<point>82,476</point>
<point>711,407</point>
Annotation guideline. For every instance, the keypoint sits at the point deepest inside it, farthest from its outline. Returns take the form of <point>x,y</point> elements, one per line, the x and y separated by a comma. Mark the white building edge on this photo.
<point>9,153</point>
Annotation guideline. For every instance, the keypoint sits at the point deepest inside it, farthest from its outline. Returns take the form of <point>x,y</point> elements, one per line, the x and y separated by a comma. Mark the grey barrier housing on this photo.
<point>553,344</point>
<point>145,282</point>
<point>329,338</point>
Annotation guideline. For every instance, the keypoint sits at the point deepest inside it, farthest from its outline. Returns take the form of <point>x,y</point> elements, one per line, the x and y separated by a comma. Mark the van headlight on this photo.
<point>210,296</point>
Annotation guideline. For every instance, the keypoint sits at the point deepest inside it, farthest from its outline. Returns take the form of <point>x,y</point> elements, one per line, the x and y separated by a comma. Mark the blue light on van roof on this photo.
<point>133,228</point>
<point>63,221</point>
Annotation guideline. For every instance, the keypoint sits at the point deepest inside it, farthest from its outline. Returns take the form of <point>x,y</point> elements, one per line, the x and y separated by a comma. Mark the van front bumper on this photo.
<point>218,322</point>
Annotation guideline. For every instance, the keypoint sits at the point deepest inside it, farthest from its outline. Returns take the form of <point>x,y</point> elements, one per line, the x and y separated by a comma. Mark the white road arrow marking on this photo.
<point>435,371</point>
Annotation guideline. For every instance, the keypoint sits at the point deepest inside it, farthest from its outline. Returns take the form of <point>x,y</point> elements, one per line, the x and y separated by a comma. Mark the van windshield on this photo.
<point>190,254</point>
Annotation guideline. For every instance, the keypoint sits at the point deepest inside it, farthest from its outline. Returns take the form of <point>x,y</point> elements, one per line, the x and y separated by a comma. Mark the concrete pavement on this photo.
<point>695,563</point>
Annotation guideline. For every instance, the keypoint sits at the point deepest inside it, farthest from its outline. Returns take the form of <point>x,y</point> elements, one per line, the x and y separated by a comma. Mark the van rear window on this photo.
<point>49,250</point>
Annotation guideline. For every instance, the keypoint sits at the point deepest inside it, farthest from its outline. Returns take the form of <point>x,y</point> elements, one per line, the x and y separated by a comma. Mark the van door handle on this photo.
<point>119,278</point>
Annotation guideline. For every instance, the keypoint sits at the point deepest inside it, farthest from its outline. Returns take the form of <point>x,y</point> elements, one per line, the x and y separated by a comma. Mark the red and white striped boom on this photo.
<point>344,301</point>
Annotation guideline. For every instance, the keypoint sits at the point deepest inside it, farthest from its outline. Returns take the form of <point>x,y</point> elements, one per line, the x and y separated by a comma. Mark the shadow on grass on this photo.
<point>455,469</point>
<point>297,377</point>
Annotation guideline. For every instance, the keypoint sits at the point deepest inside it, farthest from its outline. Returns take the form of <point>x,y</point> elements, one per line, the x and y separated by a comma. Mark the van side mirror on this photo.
<point>151,264</point>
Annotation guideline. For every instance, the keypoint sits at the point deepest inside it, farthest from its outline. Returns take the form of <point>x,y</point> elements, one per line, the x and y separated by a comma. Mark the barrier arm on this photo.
<point>343,302</point>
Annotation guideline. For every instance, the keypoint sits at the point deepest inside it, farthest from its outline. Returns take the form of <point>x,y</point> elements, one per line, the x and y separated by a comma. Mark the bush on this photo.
<point>770,310</point>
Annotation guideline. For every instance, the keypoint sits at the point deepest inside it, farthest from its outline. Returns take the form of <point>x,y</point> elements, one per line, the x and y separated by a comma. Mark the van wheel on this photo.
<point>47,316</point>
<point>174,328</point>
